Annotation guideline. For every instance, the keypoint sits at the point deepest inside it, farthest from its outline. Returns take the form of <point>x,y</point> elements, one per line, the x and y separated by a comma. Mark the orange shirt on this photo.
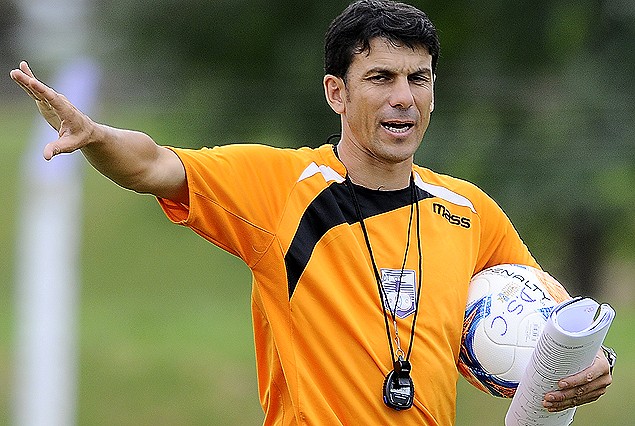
<point>321,345</point>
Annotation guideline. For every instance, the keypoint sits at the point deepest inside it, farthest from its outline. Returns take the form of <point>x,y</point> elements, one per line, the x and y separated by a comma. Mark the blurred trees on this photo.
<point>545,116</point>
<point>250,69</point>
<point>534,100</point>
<point>8,37</point>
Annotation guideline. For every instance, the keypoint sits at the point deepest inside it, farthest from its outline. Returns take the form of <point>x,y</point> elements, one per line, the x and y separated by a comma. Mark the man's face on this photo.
<point>387,101</point>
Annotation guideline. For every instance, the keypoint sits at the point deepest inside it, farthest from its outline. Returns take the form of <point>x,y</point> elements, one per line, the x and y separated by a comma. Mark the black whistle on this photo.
<point>402,372</point>
<point>398,389</point>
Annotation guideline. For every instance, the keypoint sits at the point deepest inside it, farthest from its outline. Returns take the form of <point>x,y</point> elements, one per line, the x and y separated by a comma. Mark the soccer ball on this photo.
<point>507,308</point>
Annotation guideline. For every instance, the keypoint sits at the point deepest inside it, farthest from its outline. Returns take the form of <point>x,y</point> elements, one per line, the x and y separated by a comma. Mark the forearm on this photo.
<point>121,155</point>
<point>134,161</point>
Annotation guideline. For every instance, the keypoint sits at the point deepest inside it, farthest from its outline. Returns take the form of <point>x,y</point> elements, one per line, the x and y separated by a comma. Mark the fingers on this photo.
<point>24,67</point>
<point>39,91</point>
<point>599,368</point>
<point>22,79</point>
<point>582,388</point>
<point>572,398</point>
<point>73,127</point>
<point>53,106</point>
<point>22,74</point>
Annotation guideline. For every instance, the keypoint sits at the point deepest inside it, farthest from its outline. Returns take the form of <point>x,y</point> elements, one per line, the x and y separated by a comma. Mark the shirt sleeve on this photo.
<point>235,197</point>
<point>500,242</point>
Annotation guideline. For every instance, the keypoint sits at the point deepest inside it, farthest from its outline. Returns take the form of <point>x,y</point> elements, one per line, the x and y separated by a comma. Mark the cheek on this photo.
<point>426,106</point>
<point>360,117</point>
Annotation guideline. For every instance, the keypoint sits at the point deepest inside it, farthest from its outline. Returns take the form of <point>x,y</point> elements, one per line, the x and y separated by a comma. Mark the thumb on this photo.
<point>51,150</point>
<point>65,144</point>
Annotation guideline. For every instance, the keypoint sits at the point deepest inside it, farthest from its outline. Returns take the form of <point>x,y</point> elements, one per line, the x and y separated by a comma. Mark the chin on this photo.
<point>395,156</point>
<point>400,151</point>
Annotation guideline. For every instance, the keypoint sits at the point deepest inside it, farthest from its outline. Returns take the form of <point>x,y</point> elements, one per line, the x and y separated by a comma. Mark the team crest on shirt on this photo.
<point>400,291</point>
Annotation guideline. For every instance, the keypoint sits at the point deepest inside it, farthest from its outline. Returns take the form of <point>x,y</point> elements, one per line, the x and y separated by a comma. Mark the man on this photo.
<point>359,283</point>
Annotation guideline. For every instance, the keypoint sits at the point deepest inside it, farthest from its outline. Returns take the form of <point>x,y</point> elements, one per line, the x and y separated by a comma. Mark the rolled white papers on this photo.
<point>568,344</point>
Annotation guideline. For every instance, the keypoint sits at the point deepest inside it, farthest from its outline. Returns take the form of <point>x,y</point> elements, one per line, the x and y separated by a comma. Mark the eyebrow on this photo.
<point>389,71</point>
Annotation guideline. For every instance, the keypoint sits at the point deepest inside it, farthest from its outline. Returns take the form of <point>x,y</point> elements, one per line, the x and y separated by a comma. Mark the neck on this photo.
<point>371,173</point>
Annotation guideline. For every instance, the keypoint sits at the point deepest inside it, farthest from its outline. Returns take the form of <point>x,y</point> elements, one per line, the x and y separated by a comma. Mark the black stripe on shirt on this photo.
<point>333,207</point>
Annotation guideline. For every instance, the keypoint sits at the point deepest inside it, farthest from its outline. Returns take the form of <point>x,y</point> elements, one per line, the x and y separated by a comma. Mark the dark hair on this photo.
<point>352,31</point>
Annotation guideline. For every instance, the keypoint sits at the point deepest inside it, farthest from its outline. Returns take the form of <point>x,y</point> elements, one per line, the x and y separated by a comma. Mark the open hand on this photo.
<point>73,127</point>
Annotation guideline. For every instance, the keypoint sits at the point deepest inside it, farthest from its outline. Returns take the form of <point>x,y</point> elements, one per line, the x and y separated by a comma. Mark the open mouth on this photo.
<point>397,126</point>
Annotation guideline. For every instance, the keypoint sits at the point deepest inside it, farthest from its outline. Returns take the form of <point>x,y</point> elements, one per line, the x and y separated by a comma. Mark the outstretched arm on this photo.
<point>131,159</point>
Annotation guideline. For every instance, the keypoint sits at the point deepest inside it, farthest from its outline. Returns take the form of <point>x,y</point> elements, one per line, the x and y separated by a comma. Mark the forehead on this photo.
<point>388,55</point>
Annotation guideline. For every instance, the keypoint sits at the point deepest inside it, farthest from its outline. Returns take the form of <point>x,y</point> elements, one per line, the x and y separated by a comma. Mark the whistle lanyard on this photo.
<point>398,386</point>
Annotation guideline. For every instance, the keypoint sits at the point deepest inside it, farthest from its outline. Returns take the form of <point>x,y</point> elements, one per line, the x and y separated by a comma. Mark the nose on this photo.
<point>401,96</point>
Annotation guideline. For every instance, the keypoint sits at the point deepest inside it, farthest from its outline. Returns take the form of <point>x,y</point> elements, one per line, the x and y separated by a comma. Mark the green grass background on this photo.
<point>165,326</point>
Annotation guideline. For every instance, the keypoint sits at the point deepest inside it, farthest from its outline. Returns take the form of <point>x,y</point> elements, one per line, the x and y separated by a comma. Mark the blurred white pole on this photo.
<point>47,277</point>
<point>47,274</point>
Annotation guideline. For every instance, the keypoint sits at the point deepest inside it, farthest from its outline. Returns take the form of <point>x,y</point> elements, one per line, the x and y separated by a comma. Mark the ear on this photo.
<point>434,81</point>
<point>335,92</point>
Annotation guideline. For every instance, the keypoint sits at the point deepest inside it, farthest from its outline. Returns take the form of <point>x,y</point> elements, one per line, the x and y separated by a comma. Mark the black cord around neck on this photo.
<point>414,205</point>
